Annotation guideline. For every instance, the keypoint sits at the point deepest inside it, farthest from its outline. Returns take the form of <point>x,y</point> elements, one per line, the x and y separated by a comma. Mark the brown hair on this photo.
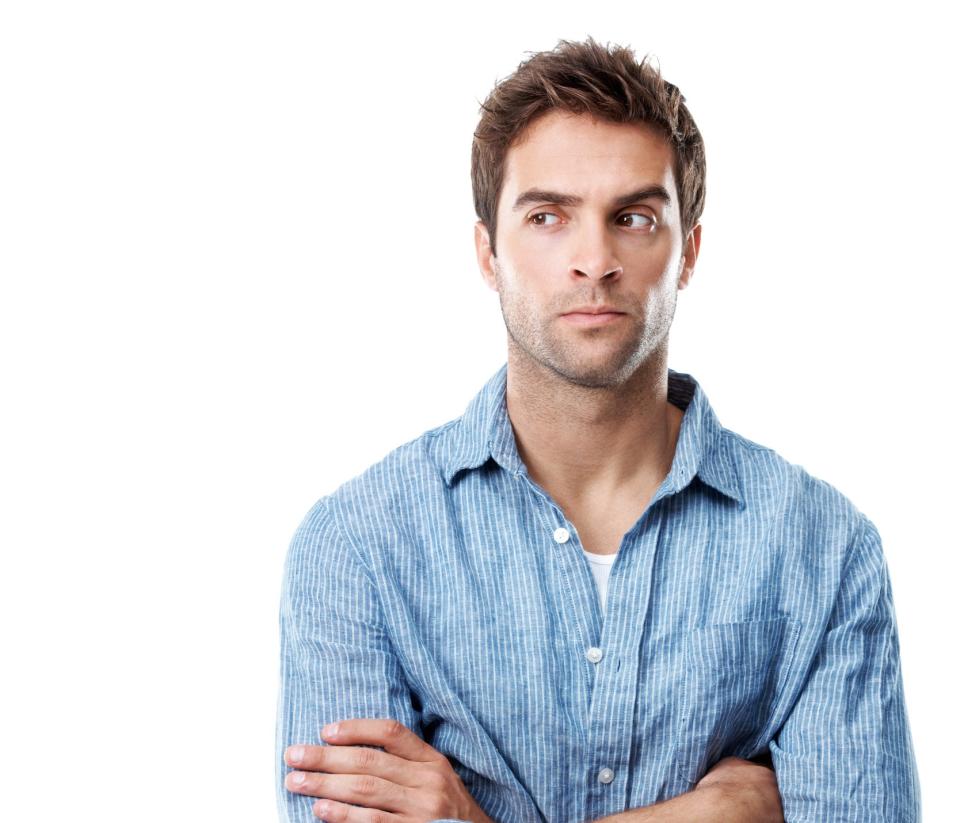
<point>585,78</point>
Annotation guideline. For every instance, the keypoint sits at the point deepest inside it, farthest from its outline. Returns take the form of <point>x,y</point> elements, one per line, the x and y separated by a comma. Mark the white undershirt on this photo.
<point>600,566</point>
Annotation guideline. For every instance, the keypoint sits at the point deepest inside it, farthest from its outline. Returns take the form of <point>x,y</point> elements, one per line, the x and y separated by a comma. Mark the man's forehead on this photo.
<point>579,154</point>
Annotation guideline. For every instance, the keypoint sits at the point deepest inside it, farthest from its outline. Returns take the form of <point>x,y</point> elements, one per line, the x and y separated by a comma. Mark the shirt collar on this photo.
<point>484,432</point>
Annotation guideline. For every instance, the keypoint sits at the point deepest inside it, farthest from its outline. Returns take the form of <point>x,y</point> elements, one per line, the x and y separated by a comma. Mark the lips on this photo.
<point>595,310</point>
<point>593,317</point>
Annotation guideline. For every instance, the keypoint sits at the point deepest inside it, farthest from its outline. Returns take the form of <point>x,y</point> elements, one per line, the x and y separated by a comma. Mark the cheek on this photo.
<point>661,301</point>
<point>657,258</point>
<point>536,264</point>
<point>525,279</point>
<point>660,268</point>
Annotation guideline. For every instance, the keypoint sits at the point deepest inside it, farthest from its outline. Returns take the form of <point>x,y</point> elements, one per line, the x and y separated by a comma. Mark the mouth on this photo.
<point>593,318</point>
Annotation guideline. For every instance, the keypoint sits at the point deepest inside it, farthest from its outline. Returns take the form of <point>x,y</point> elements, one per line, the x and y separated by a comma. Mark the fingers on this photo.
<point>345,760</point>
<point>390,734</point>
<point>354,760</point>
<point>360,789</point>
<point>356,774</point>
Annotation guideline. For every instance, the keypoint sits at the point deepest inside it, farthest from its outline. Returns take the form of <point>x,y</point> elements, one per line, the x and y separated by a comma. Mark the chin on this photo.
<point>600,376</point>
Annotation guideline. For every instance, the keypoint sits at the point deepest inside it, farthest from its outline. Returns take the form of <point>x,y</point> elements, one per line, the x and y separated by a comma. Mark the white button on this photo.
<point>605,776</point>
<point>561,535</point>
<point>594,654</point>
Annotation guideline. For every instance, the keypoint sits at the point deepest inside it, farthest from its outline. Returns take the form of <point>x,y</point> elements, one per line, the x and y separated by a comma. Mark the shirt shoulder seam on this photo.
<point>347,539</point>
<point>743,441</point>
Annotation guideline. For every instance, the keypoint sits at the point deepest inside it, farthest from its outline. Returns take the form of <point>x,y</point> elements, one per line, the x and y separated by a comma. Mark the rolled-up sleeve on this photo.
<point>337,661</point>
<point>845,751</point>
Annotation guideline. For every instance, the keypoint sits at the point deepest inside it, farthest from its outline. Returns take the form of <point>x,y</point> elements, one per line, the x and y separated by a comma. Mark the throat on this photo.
<point>601,529</point>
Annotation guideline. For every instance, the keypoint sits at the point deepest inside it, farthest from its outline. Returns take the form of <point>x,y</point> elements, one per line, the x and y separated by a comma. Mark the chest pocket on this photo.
<point>732,687</point>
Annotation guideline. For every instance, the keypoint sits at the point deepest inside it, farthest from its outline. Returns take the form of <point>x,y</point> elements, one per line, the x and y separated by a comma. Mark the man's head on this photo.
<point>589,169</point>
<point>584,78</point>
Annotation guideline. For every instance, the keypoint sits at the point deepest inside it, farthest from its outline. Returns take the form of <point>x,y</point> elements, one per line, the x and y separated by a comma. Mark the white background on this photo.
<point>238,268</point>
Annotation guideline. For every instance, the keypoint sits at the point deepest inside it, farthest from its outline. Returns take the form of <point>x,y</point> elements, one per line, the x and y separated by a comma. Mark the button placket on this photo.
<point>575,595</point>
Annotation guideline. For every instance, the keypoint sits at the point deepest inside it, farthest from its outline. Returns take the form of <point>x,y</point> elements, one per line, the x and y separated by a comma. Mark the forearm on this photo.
<point>711,804</point>
<point>736,791</point>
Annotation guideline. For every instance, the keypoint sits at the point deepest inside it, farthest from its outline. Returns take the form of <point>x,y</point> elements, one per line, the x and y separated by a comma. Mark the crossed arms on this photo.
<point>411,781</point>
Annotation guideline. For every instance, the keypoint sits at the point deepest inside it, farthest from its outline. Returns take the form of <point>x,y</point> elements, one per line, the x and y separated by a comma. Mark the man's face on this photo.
<point>588,218</point>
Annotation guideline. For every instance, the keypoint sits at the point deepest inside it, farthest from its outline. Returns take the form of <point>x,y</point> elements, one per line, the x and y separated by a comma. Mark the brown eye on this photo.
<point>535,218</point>
<point>644,220</point>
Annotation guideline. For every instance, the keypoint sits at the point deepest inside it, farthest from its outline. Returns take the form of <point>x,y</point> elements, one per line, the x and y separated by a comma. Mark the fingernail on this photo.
<point>331,730</point>
<point>296,778</point>
<point>295,754</point>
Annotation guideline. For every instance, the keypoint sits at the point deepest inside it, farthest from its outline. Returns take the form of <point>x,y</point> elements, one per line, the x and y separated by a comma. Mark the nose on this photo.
<point>594,255</point>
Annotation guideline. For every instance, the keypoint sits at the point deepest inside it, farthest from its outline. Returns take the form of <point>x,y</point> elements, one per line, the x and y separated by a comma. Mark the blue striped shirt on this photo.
<point>749,610</point>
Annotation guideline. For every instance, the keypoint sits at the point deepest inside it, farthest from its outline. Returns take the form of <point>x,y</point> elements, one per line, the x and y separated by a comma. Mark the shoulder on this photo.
<point>401,476</point>
<point>790,498</point>
<point>390,492</point>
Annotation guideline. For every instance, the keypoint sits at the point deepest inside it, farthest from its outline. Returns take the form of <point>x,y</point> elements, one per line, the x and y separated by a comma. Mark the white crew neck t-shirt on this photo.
<point>600,565</point>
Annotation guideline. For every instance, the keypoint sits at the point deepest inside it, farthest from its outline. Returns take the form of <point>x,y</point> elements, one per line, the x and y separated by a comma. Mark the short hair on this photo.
<point>606,82</point>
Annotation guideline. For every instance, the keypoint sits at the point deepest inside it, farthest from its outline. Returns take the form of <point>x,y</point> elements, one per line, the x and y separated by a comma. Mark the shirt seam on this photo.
<point>743,441</point>
<point>438,430</point>
<point>345,536</point>
<point>852,548</point>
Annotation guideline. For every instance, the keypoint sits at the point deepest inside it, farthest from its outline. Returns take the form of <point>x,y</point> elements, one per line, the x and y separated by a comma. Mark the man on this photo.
<point>585,598</point>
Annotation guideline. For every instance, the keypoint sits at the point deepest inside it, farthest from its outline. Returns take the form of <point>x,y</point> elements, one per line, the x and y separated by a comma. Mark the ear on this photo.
<point>691,249</point>
<point>485,258</point>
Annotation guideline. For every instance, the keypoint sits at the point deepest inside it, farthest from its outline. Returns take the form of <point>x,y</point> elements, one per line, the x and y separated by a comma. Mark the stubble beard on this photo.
<point>534,337</point>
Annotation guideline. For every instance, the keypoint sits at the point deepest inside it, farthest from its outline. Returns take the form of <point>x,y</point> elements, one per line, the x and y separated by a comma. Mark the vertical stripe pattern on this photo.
<point>748,611</point>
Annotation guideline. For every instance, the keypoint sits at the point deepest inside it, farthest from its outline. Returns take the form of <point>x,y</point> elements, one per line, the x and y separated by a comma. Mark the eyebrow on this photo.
<point>655,192</point>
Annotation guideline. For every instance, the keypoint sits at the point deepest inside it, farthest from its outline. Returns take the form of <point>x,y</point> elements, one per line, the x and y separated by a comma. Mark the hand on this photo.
<point>410,782</point>
<point>752,784</point>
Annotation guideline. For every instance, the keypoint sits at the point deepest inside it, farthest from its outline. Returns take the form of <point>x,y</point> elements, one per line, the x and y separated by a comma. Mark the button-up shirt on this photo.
<point>748,611</point>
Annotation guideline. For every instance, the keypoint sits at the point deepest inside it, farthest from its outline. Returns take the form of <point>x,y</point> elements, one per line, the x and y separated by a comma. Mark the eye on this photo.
<point>535,218</point>
<point>643,221</point>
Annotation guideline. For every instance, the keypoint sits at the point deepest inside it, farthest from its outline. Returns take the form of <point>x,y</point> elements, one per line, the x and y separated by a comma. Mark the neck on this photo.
<point>579,441</point>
